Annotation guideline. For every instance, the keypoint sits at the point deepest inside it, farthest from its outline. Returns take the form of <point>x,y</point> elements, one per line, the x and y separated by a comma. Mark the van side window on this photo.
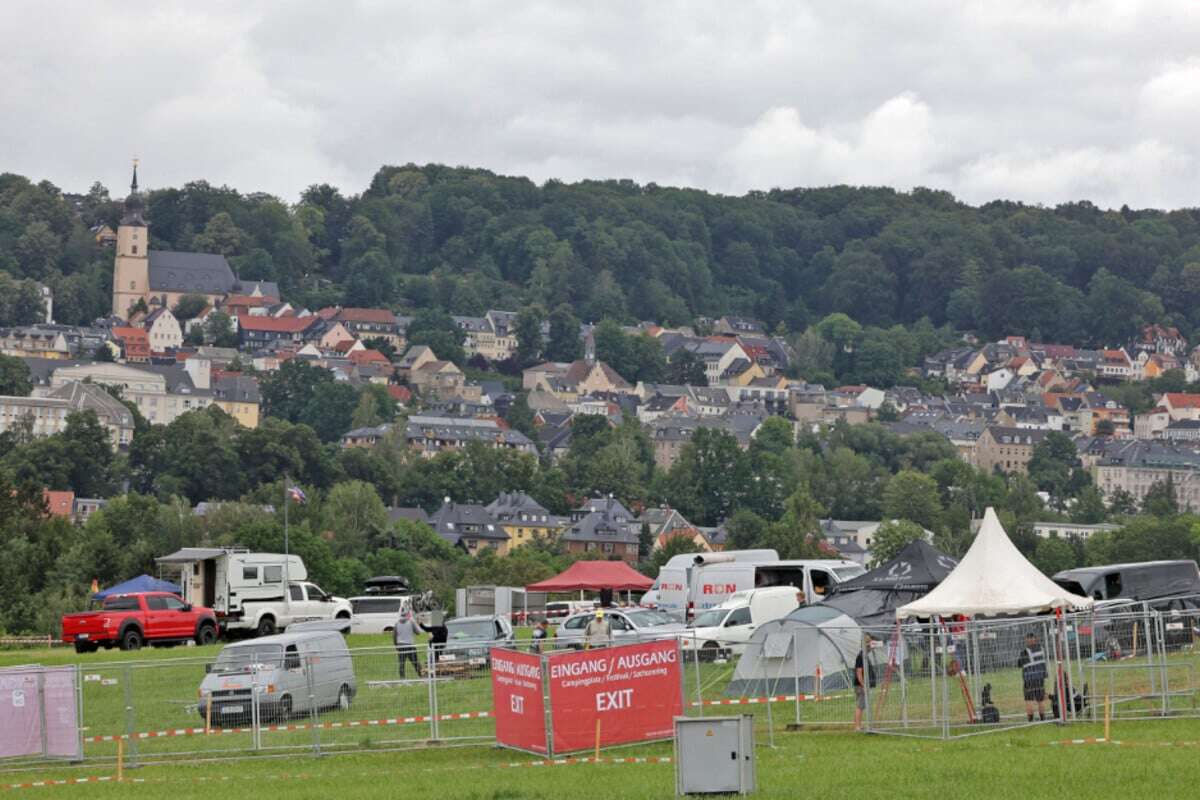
<point>291,658</point>
<point>1112,584</point>
<point>249,573</point>
<point>156,603</point>
<point>821,581</point>
<point>272,574</point>
<point>739,616</point>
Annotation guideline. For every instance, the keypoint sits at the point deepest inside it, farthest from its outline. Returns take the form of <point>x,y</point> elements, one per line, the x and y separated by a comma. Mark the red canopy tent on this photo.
<point>595,575</point>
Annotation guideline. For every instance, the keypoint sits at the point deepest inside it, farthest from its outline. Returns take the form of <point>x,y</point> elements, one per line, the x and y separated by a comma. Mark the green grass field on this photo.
<point>392,761</point>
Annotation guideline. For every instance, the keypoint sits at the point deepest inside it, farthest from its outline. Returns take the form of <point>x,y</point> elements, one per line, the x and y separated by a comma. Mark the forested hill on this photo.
<point>466,240</point>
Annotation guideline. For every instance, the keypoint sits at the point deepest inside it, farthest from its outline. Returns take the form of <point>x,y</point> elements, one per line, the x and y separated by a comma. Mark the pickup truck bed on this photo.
<point>130,620</point>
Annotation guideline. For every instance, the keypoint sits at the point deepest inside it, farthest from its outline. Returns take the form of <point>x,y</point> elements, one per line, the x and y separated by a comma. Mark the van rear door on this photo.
<point>715,583</point>
<point>673,590</point>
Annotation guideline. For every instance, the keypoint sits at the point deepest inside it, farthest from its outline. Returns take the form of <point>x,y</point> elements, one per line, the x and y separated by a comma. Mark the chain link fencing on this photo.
<point>944,679</point>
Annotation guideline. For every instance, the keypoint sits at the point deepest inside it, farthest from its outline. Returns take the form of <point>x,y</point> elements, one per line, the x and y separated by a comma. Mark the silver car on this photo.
<point>628,625</point>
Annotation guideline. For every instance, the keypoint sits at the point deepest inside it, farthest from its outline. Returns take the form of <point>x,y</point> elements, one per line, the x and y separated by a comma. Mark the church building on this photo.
<point>160,277</point>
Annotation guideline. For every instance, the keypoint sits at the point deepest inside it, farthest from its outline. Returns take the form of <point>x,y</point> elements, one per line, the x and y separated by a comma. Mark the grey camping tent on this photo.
<point>873,597</point>
<point>786,656</point>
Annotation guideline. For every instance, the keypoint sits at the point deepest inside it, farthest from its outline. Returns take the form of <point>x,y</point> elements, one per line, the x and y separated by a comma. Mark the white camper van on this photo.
<point>715,581</point>
<point>670,590</point>
<point>259,592</point>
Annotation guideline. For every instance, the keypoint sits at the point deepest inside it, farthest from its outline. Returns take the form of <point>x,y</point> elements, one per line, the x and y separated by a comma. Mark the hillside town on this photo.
<point>993,402</point>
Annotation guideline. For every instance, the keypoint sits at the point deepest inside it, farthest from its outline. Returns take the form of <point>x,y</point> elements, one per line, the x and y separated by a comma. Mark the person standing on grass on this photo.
<point>598,632</point>
<point>1032,662</point>
<point>864,678</point>
<point>402,637</point>
<point>540,633</point>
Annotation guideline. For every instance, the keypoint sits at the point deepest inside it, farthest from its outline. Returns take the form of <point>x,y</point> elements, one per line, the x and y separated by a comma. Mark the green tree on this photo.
<point>14,377</point>
<point>913,496</point>
<point>1160,499</point>
<point>330,410</point>
<point>356,517</point>
<point>891,537</point>
<point>287,390</point>
<point>1089,507</point>
<point>797,534</point>
<point>686,368</point>
<point>1054,555</point>
<point>189,306</point>
<point>745,530</point>
<point>528,330</point>
<point>564,344</point>
<point>674,546</point>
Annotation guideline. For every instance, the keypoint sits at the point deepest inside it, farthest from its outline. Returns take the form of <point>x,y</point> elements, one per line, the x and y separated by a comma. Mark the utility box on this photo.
<point>714,755</point>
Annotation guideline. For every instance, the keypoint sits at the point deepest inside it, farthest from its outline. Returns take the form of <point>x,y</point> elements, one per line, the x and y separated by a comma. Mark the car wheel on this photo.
<point>131,640</point>
<point>343,615</point>
<point>344,696</point>
<point>266,626</point>
<point>207,635</point>
<point>284,710</point>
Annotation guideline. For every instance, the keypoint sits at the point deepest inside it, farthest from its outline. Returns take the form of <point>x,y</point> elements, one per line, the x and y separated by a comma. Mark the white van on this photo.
<point>289,673</point>
<point>725,629</point>
<point>378,608</point>
<point>714,583</point>
<point>670,591</point>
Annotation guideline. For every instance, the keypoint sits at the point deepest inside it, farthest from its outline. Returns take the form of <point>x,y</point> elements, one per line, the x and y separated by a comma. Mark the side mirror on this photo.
<point>187,606</point>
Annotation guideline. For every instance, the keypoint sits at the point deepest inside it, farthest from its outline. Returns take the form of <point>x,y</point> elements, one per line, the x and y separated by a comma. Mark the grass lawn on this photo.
<point>1012,765</point>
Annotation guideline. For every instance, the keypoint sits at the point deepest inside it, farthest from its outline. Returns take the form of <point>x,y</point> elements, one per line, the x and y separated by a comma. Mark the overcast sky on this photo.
<point>1041,102</point>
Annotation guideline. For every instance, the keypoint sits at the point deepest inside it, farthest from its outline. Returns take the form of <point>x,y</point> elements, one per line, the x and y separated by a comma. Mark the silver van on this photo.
<point>290,673</point>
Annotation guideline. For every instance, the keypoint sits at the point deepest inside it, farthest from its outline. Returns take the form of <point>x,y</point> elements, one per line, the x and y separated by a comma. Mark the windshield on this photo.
<point>238,659</point>
<point>376,605</point>
<point>711,618</point>
<point>474,629</point>
<point>846,573</point>
<point>649,618</point>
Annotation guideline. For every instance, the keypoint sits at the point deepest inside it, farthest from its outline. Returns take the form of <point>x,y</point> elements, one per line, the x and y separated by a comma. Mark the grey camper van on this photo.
<point>277,669</point>
<point>1146,580</point>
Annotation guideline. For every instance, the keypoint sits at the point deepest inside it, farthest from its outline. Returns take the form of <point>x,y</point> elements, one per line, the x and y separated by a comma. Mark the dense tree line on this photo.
<point>463,240</point>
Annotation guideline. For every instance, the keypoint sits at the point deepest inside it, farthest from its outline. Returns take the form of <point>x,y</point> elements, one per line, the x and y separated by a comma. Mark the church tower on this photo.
<point>131,272</point>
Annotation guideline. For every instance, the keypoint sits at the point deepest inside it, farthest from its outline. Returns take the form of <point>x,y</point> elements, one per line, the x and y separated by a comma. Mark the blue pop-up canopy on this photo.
<point>142,583</point>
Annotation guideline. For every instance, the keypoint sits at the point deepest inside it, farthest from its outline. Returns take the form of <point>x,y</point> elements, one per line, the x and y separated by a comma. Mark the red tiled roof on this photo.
<point>400,394</point>
<point>60,504</point>
<point>134,334</point>
<point>275,324</point>
<point>1182,400</point>
<point>378,315</point>
<point>369,357</point>
<point>249,301</point>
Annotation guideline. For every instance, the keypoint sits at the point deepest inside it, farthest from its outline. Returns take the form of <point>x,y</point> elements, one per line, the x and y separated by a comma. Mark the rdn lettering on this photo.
<point>719,588</point>
<point>612,701</point>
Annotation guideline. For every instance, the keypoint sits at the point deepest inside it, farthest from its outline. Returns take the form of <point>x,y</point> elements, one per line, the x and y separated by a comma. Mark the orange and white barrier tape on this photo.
<point>68,782</point>
<point>300,726</point>
<point>780,698</point>
<point>561,762</point>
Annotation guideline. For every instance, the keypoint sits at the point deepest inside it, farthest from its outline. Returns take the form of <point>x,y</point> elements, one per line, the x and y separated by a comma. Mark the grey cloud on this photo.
<point>1042,102</point>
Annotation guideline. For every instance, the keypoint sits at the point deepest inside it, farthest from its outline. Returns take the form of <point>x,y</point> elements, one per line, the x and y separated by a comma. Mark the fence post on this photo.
<point>130,719</point>
<point>41,701</point>
<point>431,680</point>
<point>79,711</point>
<point>864,647</point>
<point>549,721</point>
<point>699,687</point>
<point>255,712</point>
<point>1161,627</point>
<point>312,704</point>
<point>796,675</point>
<point>945,683</point>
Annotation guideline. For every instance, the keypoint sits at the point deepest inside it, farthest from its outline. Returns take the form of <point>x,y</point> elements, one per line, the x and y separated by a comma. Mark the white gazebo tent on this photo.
<point>992,579</point>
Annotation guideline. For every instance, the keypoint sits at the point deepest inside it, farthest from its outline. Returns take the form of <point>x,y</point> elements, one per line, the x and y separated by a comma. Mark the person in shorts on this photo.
<point>864,677</point>
<point>1032,662</point>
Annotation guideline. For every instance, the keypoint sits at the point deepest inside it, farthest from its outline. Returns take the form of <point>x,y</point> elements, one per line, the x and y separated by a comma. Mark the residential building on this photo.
<point>568,381</point>
<point>272,333</point>
<point>238,396</point>
<point>46,414</point>
<point>161,393</point>
<point>134,342</point>
<point>603,525</point>
<point>371,323</point>
<point>1007,449</point>
<point>437,379</point>
<point>431,435</point>
<point>523,518</point>
<point>1136,465</point>
<point>162,330</point>
<point>1071,530</point>
<point>469,526</point>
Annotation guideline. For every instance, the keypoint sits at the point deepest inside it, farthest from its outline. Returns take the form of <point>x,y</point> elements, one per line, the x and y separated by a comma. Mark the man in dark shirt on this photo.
<point>864,678</point>
<point>1032,662</point>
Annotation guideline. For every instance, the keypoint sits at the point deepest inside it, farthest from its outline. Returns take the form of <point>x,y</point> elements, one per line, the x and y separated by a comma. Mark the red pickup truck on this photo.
<point>131,620</point>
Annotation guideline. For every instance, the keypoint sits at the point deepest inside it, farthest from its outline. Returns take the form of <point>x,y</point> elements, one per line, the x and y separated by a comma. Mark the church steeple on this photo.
<point>133,203</point>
